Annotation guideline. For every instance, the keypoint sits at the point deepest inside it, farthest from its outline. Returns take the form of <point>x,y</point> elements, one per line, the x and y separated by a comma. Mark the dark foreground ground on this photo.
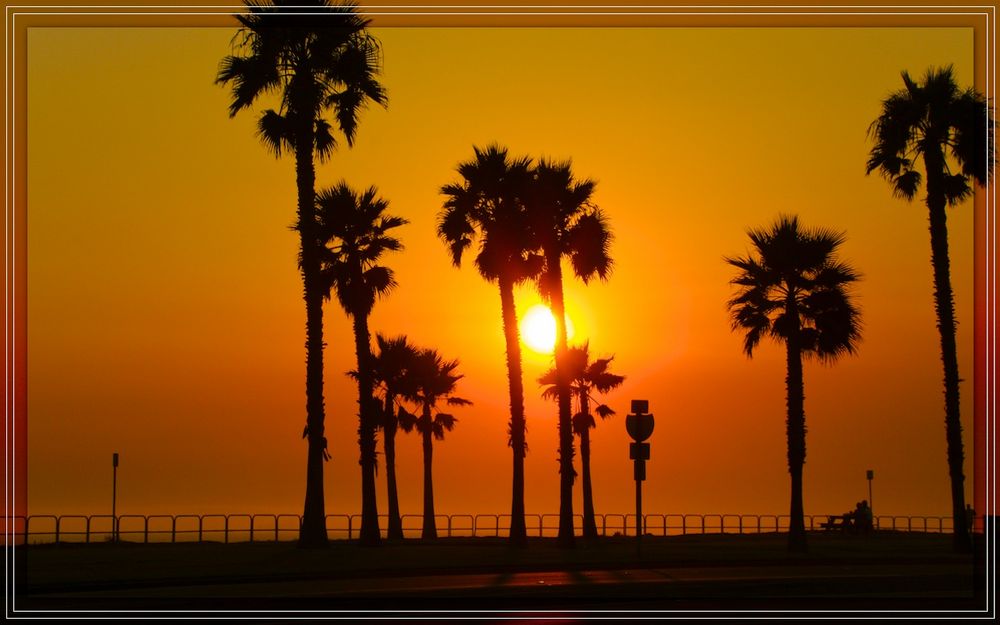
<point>907,573</point>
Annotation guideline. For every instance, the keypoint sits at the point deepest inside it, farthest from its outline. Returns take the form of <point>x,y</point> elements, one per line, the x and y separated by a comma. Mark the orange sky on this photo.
<point>164,312</point>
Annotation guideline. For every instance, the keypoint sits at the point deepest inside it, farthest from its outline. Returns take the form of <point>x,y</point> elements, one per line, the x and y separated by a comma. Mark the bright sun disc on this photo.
<point>538,329</point>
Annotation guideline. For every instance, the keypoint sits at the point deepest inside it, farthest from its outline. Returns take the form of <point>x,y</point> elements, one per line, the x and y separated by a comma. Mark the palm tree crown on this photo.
<point>933,119</point>
<point>356,229</point>
<point>565,221</point>
<point>585,378</point>
<point>487,207</point>
<point>313,62</point>
<point>795,287</point>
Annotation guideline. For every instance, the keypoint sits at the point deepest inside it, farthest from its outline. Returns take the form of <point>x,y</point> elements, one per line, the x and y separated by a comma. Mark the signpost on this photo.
<point>114,495</point>
<point>639,425</point>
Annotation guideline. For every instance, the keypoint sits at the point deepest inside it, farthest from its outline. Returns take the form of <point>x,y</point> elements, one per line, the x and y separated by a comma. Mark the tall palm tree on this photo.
<point>314,64</point>
<point>565,222</point>
<point>433,380</point>
<point>794,289</point>
<point>937,122</point>
<point>392,374</point>
<point>486,208</point>
<point>355,230</point>
<point>585,378</point>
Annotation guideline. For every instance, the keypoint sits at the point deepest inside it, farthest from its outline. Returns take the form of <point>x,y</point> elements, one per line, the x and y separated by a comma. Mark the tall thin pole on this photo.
<point>638,515</point>
<point>870,474</point>
<point>114,496</point>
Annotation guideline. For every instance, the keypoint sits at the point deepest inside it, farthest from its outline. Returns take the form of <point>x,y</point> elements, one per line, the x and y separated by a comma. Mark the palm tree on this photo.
<point>795,290</point>
<point>314,63</point>
<point>585,377</point>
<point>392,365</point>
<point>486,208</point>
<point>565,222</point>
<point>933,121</point>
<point>433,380</point>
<point>355,229</point>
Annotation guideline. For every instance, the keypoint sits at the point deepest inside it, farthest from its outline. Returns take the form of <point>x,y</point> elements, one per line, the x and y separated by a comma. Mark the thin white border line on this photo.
<point>13,14</point>
<point>13,266</point>
<point>545,14</point>
<point>8,354</point>
<point>526,6</point>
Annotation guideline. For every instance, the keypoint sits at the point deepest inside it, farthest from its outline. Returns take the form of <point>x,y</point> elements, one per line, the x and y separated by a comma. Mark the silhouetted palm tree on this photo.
<point>487,207</point>
<point>355,229</point>
<point>392,365</point>
<point>433,380</point>
<point>795,290</point>
<point>933,121</point>
<point>313,63</point>
<point>565,222</point>
<point>585,377</point>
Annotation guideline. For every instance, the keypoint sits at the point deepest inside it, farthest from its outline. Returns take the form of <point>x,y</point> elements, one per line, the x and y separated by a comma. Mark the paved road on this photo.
<point>793,587</point>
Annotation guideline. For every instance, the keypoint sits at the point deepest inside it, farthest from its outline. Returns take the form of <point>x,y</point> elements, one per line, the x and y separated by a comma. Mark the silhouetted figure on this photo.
<point>487,208</point>
<point>585,376</point>
<point>795,290</point>
<point>970,517</point>
<point>311,70</point>
<point>566,222</point>
<point>864,522</point>
<point>354,228</point>
<point>933,120</point>
<point>433,380</point>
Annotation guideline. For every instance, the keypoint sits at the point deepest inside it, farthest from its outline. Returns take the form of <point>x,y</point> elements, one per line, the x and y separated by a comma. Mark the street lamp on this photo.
<point>114,496</point>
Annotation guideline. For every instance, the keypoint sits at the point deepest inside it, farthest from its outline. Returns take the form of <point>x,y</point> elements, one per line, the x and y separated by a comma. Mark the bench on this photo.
<point>836,522</point>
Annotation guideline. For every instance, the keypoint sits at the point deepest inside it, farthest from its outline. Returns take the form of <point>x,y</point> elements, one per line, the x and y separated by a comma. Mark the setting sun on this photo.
<point>538,329</point>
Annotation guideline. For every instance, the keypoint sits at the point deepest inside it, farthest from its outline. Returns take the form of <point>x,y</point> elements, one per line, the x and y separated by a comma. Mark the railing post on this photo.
<point>145,529</point>
<point>173,529</point>
<point>88,530</point>
<point>252,518</point>
<point>225,529</point>
<point>200,519</point>
<point>58,520</point>
<point>27,533</point>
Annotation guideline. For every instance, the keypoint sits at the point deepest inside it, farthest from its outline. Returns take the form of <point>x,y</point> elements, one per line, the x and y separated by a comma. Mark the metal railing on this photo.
<point>226,528</point>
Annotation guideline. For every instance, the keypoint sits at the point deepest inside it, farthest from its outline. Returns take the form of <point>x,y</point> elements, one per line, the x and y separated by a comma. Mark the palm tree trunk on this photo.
<point>589,524</point>
<point>566,472</point>
<point>313,530</point>
<point>389,445</point>
<point>430,529</point>
<point>945,307</point>
<point>367,422</point>
<point>518,530</point>
<point>796,432</point>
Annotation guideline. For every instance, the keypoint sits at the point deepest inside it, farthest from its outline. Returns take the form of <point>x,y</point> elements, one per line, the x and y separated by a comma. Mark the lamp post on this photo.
<point>639,425</point>
<point>871,503</point>
<point>114,496</point>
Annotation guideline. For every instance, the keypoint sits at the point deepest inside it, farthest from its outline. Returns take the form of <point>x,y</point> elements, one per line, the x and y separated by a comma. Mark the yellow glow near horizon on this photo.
<point>538,329</point>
